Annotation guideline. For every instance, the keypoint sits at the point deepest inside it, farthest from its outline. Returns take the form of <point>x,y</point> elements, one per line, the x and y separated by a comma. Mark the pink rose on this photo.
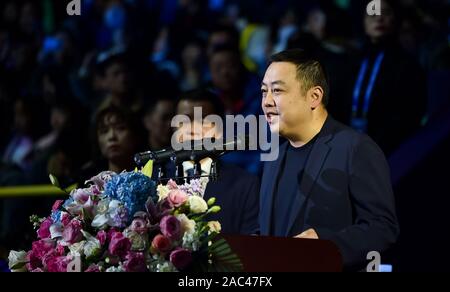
<point>34,262</point>
<point>119,245</point>
<point>102,236</point>
<point>181,258</point>
<point>44,229</point>
<point>60,251</point>
<point>81,196</point>
<point>57,264</point>
<point>88,208</point>
<point>42,247</point>
<point>171,227</point>
<point>165,207</point>
<point>57,205</point>
<point>172,185</point>
<point>110,234</point>
<point>48,257</point>
<point>93,269</point>
<point>162,244</point>
<point>72,232</point>
<point>139,225</point>
<point>101,179</point>
<point>65,218</point>
<point>177,198</point>
<point>135,263</point>
<point>94,189</point>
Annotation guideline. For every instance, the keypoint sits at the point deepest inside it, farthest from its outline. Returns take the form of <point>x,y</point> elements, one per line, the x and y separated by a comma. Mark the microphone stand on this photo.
<point>180,178</point>
<point>214,174</point>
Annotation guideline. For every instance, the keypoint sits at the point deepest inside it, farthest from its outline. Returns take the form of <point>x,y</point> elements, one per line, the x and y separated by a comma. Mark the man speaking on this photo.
<point>329,182</point>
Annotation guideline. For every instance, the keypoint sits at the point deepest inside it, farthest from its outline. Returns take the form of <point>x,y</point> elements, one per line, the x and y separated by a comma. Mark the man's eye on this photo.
<point>276,90</point>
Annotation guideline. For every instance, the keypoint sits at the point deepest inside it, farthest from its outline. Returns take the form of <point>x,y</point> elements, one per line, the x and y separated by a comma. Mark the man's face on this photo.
<point>283,103</point>
<point>225,69</point>
<point>117,79</point>
<point>196,129</point>
<point>158,121</point>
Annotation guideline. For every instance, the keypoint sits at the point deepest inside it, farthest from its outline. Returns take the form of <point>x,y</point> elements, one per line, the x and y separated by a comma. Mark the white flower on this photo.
<point>163,192</point>
<point>92,246</point>
<point>166,267</point>
<point>197,205</point>
<point>106,210</point>
<point>187,225</point>
<point>17,261</point>
<point>100,221</point>
<point>56,230</point>
<point>118,269</point>
<point>77,249</point>
<point>138,242</point>
<point>214,226</point>
<point>191,242</point>
<point>103,206</point>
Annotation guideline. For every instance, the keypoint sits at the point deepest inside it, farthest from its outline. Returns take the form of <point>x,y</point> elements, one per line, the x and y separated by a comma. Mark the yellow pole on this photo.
<point>31,191</point>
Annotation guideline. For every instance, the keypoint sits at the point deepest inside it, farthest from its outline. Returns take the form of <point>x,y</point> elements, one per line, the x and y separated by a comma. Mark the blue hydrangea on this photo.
<point>132,189</point>
<point>68,202</point>
<point>56,216</point>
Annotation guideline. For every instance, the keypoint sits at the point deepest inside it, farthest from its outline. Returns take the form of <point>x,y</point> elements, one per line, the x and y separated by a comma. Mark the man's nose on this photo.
<point>268,100</point>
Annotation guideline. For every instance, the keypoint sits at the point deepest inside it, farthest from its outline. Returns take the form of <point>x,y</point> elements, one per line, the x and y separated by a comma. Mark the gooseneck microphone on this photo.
<point>197,151</point>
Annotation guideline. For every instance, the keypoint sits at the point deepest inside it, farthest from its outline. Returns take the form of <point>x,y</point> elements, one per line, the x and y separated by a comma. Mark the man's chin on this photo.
<point>274,128</point>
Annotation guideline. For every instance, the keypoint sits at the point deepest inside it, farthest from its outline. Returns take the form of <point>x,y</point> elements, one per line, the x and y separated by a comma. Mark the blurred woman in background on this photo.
<point>389,96</point>
<point>119,135</point>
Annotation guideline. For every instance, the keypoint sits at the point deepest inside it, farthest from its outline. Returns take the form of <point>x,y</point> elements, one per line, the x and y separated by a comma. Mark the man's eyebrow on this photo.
<point>278,82</point>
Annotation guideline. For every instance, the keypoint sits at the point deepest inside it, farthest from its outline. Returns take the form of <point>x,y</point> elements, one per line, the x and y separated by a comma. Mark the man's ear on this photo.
<point>315,96</point>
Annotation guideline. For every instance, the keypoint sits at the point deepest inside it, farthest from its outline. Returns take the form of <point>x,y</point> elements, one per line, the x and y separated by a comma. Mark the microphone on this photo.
<point>197,152</point>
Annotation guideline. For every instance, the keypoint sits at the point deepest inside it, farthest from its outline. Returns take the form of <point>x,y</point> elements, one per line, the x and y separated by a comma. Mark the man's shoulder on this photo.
<point>347,141</point>
<point>345,134</point>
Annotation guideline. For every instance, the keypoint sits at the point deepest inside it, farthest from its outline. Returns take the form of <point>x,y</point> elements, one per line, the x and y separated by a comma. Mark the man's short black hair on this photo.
<point>310,72</point>
<point>205,95</point>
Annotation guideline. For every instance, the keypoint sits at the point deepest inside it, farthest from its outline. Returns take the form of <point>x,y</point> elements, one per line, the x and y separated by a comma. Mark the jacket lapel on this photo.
<point>272,175</point>
<point>313,167</point>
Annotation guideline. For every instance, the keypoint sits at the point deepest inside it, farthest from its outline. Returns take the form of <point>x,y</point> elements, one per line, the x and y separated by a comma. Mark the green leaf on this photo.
<point>54,181</point>
<point>223,258</point>
<point>70,188</point>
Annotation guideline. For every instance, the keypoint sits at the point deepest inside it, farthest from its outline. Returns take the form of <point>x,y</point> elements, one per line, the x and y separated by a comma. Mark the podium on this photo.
<point>269,254</point>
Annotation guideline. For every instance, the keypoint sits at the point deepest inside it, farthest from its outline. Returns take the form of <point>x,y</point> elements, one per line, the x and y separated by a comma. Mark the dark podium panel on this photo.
<point>269,254</point>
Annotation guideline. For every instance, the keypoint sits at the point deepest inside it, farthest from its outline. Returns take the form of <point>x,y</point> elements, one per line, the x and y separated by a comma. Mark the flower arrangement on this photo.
<point>126,223</point>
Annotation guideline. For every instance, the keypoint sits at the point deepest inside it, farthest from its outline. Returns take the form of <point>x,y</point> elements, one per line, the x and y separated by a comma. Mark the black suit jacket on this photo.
<point>345,194</point>
<point>237,193</point>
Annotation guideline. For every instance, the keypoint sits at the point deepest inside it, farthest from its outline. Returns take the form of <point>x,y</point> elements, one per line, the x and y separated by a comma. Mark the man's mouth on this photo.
<point>270,117</point>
